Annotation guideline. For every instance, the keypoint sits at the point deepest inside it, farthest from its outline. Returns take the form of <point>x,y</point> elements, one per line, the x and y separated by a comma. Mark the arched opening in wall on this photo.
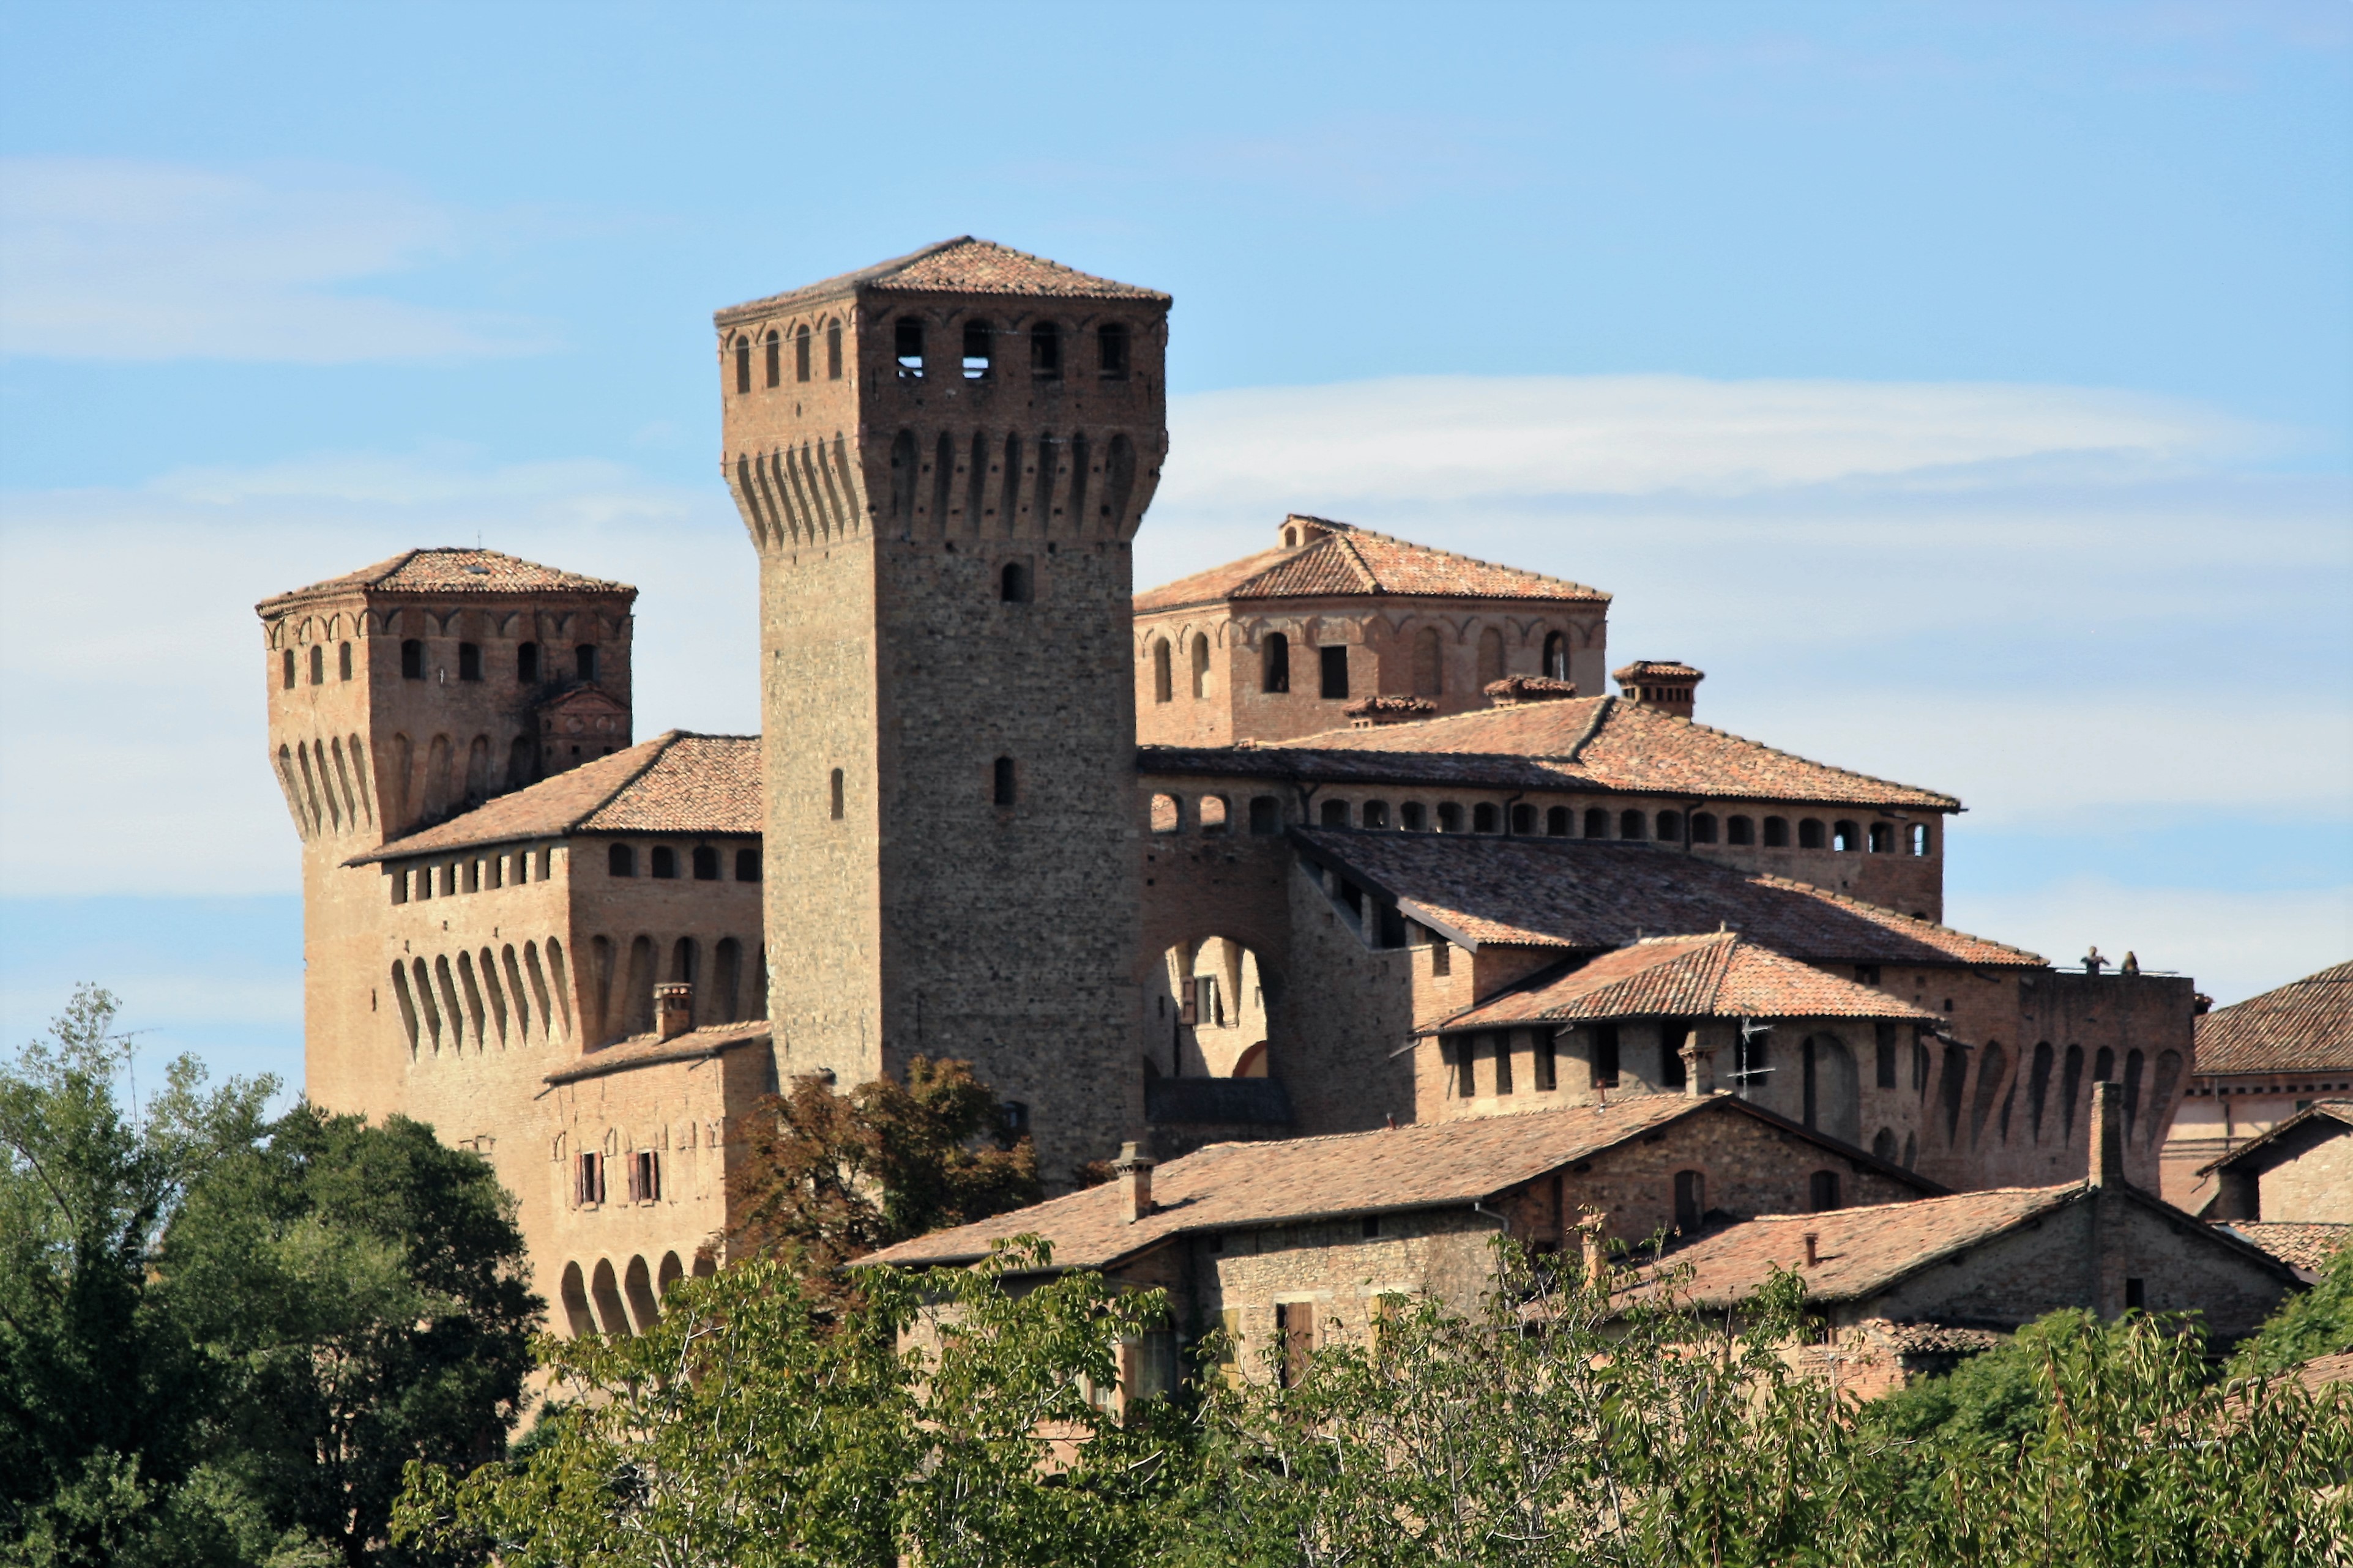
<point>1274,672</point>
<point>1739,830</point>
<point>801,352</point>
<point>584,661</point>
<point>1597,822</point>
<point>1884,1146</point>
<point>726,980</point>
<point>1956,1072</point>
<point>747,865</point>
<point>1046,352</point>
<point>644,1310</point>
<point>1214,813</point>
<point>1993,1071</point>
<point>686,961</point>
<point>408,1004</point>
<point>1555,657</point>
<point>478,768</point>
<point>1918,838</point>
<point>979,350</point>
<point>318,664</point>
<point>1121,477</point>
<point>285,669</point>
<point>1013,583</point>
<point>1832,1090</point>
<point>1374,815</point>
<point>427,1002</point>
<point>639,999</point>
<point>1450,816</point>
<point>1333,813</point>
<point>907,346</point>
<point>1164,674</point>
<point>2071,1087</point>
<point>743,346</point>
<point>1845,837</point>
<point>1207,1014</point>
<point>671,1272</point>
<point>706,863</point>
<point>521,758</point>
<point>775,357</point>
<point>1166,813</point>
<point>1670,828</point>
<point>1252,1063</point>
<point>1413,817</point>
<point>1200,667</point>
<point>486,970</point>
<point>1003,783</point>
<point>1884,1051</point>
<point>1557,822</point>
<point>1428,666</point>
<point>902,478</point>
<point>1630,825</point>
<point>833,351</point>
<point>1691,1202</point>
<point>453,1007</point>
<point>705,1265</point>
<point>835,788</point>
<point>576,1318</point>
<point>1265,815</point>
<point>2133,1063</point>
<point>2038,1088</point>
<point>601,1021</point>
<point>605,1294</point>
<point>1524,819</point>
<point>2103,1065</point>
<point>622,860</point>
<point>1810,834</point>
<point>550,1024</point>
<point>1776,833</point>
<point>1491,657</point>
<point>469,983</point>
<point>1333,664</point>
<point>1702,827</point>
<point>412,659</point>
<point>1823,1192</point>
<point>1882,839</point>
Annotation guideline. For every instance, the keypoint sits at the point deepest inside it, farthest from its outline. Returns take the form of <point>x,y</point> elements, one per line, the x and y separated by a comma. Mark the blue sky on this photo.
<point>1968,389</point>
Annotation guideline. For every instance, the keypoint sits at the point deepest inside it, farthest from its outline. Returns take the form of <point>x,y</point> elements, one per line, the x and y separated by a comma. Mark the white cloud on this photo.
<point>117,259</point>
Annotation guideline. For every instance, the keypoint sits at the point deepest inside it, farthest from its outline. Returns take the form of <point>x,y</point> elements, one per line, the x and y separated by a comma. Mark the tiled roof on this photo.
<point>2258,1152</point>
<point>959,266</point>
<point>1655,669</point>
<point>1426,1165</point>
<point>652,1050</point>
<point>1718,976</point>
<point>1528,688</point>
<point>452,570</point>
<point>2305,1025</point>
<point>2308,1245</point>
<point>2322,1371</point>
<point>1343,561</point>
<point>675,783</point>
<point>1592,895</point>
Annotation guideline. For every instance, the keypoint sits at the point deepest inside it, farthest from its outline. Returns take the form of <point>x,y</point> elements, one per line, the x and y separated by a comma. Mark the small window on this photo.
<point>1335,672</point>
<point>801,352</point>
<point>318,664</point>
<point>1213,815</point>
<point>1919,836</point>
<point>1501,1047</point>
<point>1046,352</point>
<point>1484,817</point>
<point>1466,1066</point>
<point>706,863</point>
<point>1003,781</point>
<point>644,1177</point>
<point>1882,839</point>
<point>1441,955</point>
<point>622,860</point>
<point>1266,815</point>
<point>837,793</point>
<point>979,350</point>
<point>1450,818</point>
<point>1776,833</point>
<point>1671,826</point>
<point>1335,813</point>
<point>1375,815</point>
<point>1605,1056</point>
<point>469,661</point>
<point>285,669</point>
<point>1111,351</point>
<point>1557,822</point>
<point>584,661</point>
<point>747,865</point>
<point>1691,1202</point>
<point>343,661</point>
<point>1555,656</point>
<point>1702,827</point>
<point>775,355</point>
<point>412,660</point>
<point>1672,1033</point>
<point>1887,1068</point>
<point>1739,830</point>
<point>1166,813</point>
<point>1629,824</point>
<point>589,1180</point>
<point>1810,834</point>
<point>1523,820</point>
<point>1597,823</point>
<point>527,664</point>
<point>1200,663</point>
<point>1845,837</point>
<point>1823,1191</point>
<point>908,331</point>
<point>2135,1295</point>
<point>1013,583</point>
<point>743,365</point>
<point>833,351</point>
<point>1163,677</point>
<point>1413,817</point>
<point>1545,1061</point>
<point>664,862</point>
<point>1275,674</point>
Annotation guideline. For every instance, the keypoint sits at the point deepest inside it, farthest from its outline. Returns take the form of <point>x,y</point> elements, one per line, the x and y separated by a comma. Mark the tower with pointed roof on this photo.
<point>942,461</point>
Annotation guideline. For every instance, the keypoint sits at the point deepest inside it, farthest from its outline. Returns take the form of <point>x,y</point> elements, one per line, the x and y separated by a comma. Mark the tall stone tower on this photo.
<point>402,694</point>
<point>943,460</point>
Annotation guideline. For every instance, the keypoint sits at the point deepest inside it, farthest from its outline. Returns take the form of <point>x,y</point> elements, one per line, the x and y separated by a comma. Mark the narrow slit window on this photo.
<point>343,661</point>
<point>1002,782</point>
<point>775,357</point>
<point>743,365</point>
<point>286,665</point>
<point>833,351</point>
<point>837,789</point>
<point>801,352</point>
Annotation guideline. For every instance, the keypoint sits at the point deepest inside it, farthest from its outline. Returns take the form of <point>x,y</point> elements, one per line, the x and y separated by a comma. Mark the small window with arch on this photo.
<point>979,350</point>
<point>907,335</point>
<point>527,664</point>
<point>1374,815</point>
<point>1413,817</point>
<point>1335,813</point>
<point>1670,828</point>
<point>663,862</point>
<point>1809,833</point>
<point>1450,816</point>
<point>1484,819</point>
<point>1265,815</point>
<point>1557,822</point>
<point>1630,825</point>
<point>1111,351</point>
<point>1003,783</point>
<point>469,661</point>
<point>775,354</point>
<point>1845,837</point>
<point>412,659</point>
<point>833,351</point>
<point>1918,835</point>
<point>1739,830</point>
<point>1702,827</point>
<point>1776,833</point>
<point>747,865</point>
<point>1046,352</point>
<point>318,664</point>
<point>706,863</point>
<point>1274,674</point>
<point>1523,820</point>
<point>801,352</point>
<point>286,667</point>
<point>1882,839</point>
<point>1597,823</point>
<point>622,860</point>
<point>1555,656</point>
<point>743,365</point>
<point>1013,583</point>
<point>1164,675</point>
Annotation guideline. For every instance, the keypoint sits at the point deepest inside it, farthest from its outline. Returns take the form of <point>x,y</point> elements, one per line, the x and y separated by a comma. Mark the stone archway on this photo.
<point>1207,1005</point>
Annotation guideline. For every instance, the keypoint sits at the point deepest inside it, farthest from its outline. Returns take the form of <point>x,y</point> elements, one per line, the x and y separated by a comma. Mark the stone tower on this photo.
<point>402,694</point>
<point>942,461</point>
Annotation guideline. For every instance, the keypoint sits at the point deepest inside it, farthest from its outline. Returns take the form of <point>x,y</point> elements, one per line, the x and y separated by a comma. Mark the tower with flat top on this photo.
<point>942,461</point>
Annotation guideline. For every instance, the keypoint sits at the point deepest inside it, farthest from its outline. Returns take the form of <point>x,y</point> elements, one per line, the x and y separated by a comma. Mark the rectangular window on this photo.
<point>1546,1061</point>
<point>1335,672</point>
<point>589,1180</point>
<point>644,1177</point>
<point>1295,1326</point>
<point>1605,1056</point>
<point>1501,1046</point>
<point>1441,956</point>
<point>1671,1053</point>
<point>1466,1066</point>
<point>1886,1033</point>
<point>400,886</point>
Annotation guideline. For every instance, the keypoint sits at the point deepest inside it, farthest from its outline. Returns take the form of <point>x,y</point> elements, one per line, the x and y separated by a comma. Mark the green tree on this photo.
<point>363,1293</point>
<point>2314,1322</point>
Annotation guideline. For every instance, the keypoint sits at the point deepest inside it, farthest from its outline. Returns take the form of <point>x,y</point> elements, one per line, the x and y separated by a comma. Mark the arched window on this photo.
<point>1883,1144</point>
<point>1597,823</point>
<point>1810,834</point>
<point>1164,676</point>
<point>1882,839</point>
<point>1557,822</point>
<point>1484,817</point>
<point>706,863</point>
<point>775,357</point>
<point>1845,837</point>
<point>1555,656</point>
<point>2038,1088</point>
<point>622,860</point>
<point>1702,827</point>
<point>1166,813</point>
<point>1275,673</point>
<point>838,793</point>
<point>1200,667</point>
<point>801,352</point>
<point>1739,830</point>
<point>1003,781</point>
<point>1212,812</point>
<point>1670,828</point>
<point>1919,836</point>
<point>318,664</point>
<point>1776,833</point>
<point>1490,655</point>
<point>342,661</point>
<point>908,341</point>
<point>1111,351</point>
<point>979,350</point>
<point>747,865</point>
<point>584,661</point>
<point>285,669</point>
<point>1629,824</point>
<point>1823,1191</point>
<point>743,365</point>
<point>1413,817</point>
<point>469,661</point>
<point>1691,1202</point>
<point>1336,814</point>
<point>1450,818</point>
<point>1046,352</point>
<point>1013,583</point>
<point>1524,818</point>
<point>412,659</point>
<point>1429,669</point>
<point>1376,814</point>
<point>664,862</point>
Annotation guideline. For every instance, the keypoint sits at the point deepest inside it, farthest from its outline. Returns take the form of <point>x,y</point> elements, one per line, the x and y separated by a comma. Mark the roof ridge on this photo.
<point>1363,532</point>
<point>1604,705</point>
<point>1792,756</point>
<point>1347,544</point>
<point>1774,879</point>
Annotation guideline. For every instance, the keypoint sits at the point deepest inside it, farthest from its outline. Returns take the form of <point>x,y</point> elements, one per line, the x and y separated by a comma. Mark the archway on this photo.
<point>576,1317</point>
<point>1206,1010</point>
<point>606,1294</point>
<point>644,1310</point>
<point>670,1274</point>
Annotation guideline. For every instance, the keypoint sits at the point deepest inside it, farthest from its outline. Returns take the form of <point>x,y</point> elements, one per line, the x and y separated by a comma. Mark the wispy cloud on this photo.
<point>119,260</point>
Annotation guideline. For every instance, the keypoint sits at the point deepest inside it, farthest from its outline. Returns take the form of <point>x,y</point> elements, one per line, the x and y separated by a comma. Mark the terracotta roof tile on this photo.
<point>2322,1371</point>
<point>1345,560</point>
<point>652,1050</point>
<point>1225,1186</point>
<point>675,783</point>
<point>1718,976</point>
<point>2305,1025</point>
<point>2308,1245</point>
<point>1591,895</point>
<point>959,266</point>
<point>452,570</point>
<point>1655,669</point>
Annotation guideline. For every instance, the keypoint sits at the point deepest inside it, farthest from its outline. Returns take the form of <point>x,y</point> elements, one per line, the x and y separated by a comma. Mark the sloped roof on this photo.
<point>1341,560</point>
<point>1426,1166</point>
<point>652,1050</point>
<point>1591,895</point>
<point>2305,1025</point>
<point>2289,1138</point>
<point>960,265</point>
<point>675,783</point>
<point>452,570</point>
<point>1718,976</point>
<point>2308,1245</point>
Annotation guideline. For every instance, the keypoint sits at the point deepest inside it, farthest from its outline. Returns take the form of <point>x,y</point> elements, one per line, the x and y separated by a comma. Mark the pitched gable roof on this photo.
<point>960,265</point>
<point>2305,1025</point>
<point>675,783</point>
<point>1341,560</point>
<point>1718,976</point>
<point>1591,895</point>
<point>2315,1123</point>
<point>452,570</point>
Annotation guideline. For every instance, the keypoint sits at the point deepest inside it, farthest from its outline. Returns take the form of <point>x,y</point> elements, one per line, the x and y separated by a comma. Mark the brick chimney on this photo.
<point>1514,689</point>
<point>1371,713</point>
<point>2107,1162</point>
<point>1595,1250</point>
<point>1813,1249</point>
<point>1699,1068</point>
<point>673,1008</point>
<point>1665,684</point>
<point>1134,1169</point>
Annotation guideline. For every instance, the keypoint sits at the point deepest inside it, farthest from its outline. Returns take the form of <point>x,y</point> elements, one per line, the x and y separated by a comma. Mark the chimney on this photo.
<point>1514,689</point>
<point>2107,1162</point>
<point>1813,1249</point>
<point>1134,1169</point>
<point>1699,1068</point>
<point>673,1008</point>
<point>1665,684</point>
<point>1596,1252</point>
<point>1371,713</point>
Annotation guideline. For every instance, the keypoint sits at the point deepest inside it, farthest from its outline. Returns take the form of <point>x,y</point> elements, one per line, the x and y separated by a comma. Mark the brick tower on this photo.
<point>404,694</point>
<point>942,461</point>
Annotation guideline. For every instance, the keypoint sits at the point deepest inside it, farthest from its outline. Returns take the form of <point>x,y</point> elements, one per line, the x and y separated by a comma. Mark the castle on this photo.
<point>1342,836</point>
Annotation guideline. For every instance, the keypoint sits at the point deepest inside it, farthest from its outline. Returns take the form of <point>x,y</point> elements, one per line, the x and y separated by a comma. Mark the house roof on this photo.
<point>1590,895</point>
<point>1341,560</point>
<point>452,570</point>
<point>960,265</point>
<point>1718,976</point>
<point>675,783</point>
<point>652,1050</point>
<point>2287,1139</point>
<point>2305,1025</point>
<point>1597,743</point>
<point>1295,1180</point>
<point>2308,1245</point>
